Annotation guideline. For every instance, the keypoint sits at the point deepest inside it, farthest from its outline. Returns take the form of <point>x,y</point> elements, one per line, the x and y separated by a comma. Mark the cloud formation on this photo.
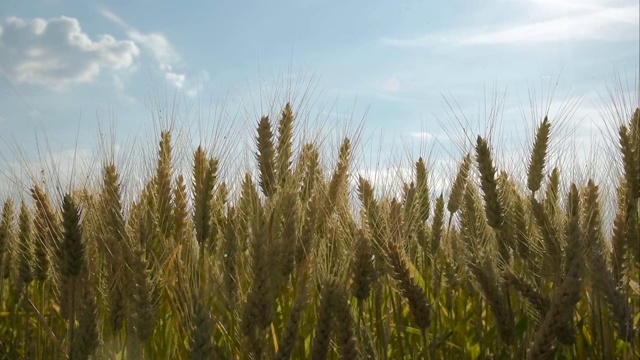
<point>56,52</point>
<point>579,22</point>
<point>160,48</point>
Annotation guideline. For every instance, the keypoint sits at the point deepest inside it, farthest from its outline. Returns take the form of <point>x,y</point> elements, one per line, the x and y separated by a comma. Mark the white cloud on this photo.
<point>56,52</point>
<point>423,135</point>
<point>176,79</point>
<point>157,44</point>
<point>589,21</point>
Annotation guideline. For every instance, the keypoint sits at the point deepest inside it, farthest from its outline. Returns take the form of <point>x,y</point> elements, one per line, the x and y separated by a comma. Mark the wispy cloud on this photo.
<point>580,22</point>
<point>157,44</point>
<point>56,52</point>
<point>423,135</point>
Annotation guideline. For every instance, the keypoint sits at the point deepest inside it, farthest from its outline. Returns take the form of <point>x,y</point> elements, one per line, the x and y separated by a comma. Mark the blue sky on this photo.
<point>68,66</point>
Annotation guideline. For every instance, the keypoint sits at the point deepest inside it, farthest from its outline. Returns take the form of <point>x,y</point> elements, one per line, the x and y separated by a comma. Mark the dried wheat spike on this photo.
<point>346,338</point>
<point>289,337</point>
<point>483,270</point>
<point>619,236</point>
<point>553,250</point>
<point>323,329</point>
<point>265,156</point>
<point>409,205</point>
<point>309,167</point>
<point>25,247</point>
<point>492,204</point>
<point>422,190</point>
<point>7,233</point>
<point>538,156</point>
<point>338,185</point>
<point>144,297</point>
<point>230,253</point>
<point>437,227</point>
<point>539,302</point>
<point>181,212</point>
<point>290,232</point>
<point>162,182</point>
<point>459,184</point>
<point>568,293</point>
<point>47,233</point>
<point>201,343</point>
<point>363,268</point>
<point>73,245</point>
<point>88,338</point>
<point>117,305</point>
<point>285,143</point>
<point>258,309</point>
<point>630,162</point>
<point>409,288</point>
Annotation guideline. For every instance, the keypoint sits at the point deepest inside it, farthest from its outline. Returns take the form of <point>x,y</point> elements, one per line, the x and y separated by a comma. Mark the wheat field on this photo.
<point>292,262</point>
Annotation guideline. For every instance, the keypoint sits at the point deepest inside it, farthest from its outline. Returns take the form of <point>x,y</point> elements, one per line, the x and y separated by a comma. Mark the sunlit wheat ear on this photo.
<point>73,252</point>
<point>459,184</point>
<point>265,156</point>
<point>258,309</point>
<point>7,233</point>
<point>181,212</point>
<point>363,267</point>
<point>601,276</point>
<point>162,180</point>
<point>509,234</point>
<point>485,274</point>
<point>116,243</point>
<point>291,332</point>
<point>619,236</point>
<point>395,219</point>
<point>217,215</point>
<point>72,246</point>
<point>630,148</point>
<point>46,232</point>
<point>344,324</point>
<point>338,186</point>
<point>248,206</point>
<point>312,217</point>
<point>493,206</point>
<point>112,204</point>
<point>409,204</point>
<point>290,232</point>
<point>229,257</point>
<point>409,288</point>
<point>538,301</point>
<point>422,190</point>
<point>285,144</point>
<point>309,170</point>
<point>117,304</point>
<point>201,343</point>
<point>551,200</point>
<point>323,328</point>
<point>553,249</point>
<point>373,214</point>
<point>630,162</point>
<point>25,247</point>
<point>437,227</point>
<point>202,196</point>
<point>568,293</point>
<point>144,297</point>
<point>88,338</point>
<point>538,157</point>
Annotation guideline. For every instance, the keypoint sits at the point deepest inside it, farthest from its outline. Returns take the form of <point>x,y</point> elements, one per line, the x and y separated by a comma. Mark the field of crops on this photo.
<point>298,264</point>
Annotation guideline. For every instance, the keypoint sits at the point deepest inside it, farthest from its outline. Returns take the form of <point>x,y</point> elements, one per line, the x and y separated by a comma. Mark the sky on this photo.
<point>407,71</point>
